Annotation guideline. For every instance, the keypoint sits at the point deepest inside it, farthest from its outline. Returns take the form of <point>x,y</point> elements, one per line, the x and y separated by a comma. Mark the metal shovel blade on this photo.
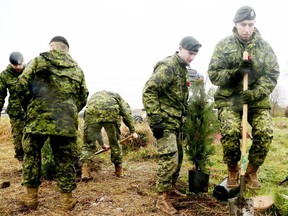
<point>241,206</point>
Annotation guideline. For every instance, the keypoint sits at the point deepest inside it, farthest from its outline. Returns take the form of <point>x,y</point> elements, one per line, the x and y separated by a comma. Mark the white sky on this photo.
<point>117,42</point>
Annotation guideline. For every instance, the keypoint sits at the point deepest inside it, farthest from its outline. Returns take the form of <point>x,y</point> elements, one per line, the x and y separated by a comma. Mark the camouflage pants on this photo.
<point>230,128</point>
<point>170,157</point>
<point>92,133</point>
<point>17,126</point>
<point>65,155</point>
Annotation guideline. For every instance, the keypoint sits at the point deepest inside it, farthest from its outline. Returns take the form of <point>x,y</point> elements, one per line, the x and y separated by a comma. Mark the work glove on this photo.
<point>158,130</point>
<point>247,96</point>
<point>105,147</point>
<point>245,67</point>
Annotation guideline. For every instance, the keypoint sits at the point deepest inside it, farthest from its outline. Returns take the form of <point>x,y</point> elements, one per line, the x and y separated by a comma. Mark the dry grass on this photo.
<point>132,194</point>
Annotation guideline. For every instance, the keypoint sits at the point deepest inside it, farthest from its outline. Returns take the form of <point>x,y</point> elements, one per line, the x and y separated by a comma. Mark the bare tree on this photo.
<point>277,99</point>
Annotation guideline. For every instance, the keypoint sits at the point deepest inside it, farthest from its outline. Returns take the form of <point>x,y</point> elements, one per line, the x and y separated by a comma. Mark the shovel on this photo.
<point>121,141</point>
<point>239,205</point>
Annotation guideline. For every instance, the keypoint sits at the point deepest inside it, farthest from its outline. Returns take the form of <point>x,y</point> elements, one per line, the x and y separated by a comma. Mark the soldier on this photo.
<point>104,110</point>
<point>9,81</point>
<point>164,98</point>
<point>226,70</point>
<point>53,90</point>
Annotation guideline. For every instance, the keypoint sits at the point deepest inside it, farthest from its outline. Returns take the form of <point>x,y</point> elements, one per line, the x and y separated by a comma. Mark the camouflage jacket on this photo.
<point>9,81</point>
<point>105,106</point>
<point>166,92</point>
<point>226,60</point>
<point>53,90</point>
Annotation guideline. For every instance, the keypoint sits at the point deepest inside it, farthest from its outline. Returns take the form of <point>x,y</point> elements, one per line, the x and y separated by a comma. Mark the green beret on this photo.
<point>244,13</point>
<point>190,43</point>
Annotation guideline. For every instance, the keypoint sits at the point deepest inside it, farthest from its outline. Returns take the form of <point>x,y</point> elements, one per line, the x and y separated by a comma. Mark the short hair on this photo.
<point>59,46</point>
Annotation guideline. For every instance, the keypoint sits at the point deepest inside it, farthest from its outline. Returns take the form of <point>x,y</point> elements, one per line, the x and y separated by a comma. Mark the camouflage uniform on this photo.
<point>225,61</point>
<point>165,97</point>
<point>105,109</point>
<point>9,80</point>
<point>53,90</point>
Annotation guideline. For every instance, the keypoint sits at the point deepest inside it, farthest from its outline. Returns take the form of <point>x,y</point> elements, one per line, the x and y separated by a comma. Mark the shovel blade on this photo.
<point>241,207</point>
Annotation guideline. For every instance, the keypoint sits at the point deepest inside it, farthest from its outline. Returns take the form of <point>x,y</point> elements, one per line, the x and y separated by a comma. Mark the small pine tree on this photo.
<point>200,127</point>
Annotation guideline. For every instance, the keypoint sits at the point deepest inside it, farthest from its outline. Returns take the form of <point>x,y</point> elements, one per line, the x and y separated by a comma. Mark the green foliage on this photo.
<point>281,202</point>
<point>200,127</point>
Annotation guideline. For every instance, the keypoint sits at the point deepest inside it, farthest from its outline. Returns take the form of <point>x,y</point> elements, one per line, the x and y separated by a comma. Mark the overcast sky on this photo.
<point>117,42</point>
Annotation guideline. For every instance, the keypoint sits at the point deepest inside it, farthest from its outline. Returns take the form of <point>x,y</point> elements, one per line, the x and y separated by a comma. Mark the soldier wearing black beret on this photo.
<point>226,70</point>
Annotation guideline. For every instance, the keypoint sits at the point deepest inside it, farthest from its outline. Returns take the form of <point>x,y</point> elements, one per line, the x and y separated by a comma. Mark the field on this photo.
<point>134,193</point>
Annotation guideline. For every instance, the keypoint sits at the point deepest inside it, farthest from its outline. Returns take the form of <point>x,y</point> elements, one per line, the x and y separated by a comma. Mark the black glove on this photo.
<point>245,67</point>
<point>158,130</point>
<point>247,96</point>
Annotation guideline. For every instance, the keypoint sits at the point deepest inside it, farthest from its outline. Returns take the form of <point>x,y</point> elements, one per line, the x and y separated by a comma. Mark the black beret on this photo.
<point>244,13</point>
<point>16,58</point>
<point>59,39</point>
<point>190,43</point>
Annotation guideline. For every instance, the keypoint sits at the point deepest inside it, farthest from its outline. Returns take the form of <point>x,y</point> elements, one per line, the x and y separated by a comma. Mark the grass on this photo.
<point>134,193</point>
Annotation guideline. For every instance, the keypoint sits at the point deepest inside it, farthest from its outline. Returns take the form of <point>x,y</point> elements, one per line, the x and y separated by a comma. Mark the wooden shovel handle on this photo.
<point>245,115</point>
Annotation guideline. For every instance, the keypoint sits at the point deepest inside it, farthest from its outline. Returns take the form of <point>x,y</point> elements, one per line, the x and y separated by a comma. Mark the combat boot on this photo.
<point>118,170</point>
<point>164,204</point>
<point>85,170</point>
<point>175,192</point>
<point>30,199</point>
<point>233,176</point>
<point>67,201</point>
<point>250,177</point>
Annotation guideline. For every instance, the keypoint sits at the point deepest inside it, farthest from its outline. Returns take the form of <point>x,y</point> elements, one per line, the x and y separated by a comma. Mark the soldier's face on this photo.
<point>18,68</point>
<point>245,29</point>
<point>187,55</point>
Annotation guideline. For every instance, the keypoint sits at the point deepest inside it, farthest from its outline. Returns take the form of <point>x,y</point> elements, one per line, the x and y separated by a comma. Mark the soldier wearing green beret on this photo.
<point>164,98</point>
<point>53,91</point>
<point>226,70</point>
<point>105,109</point>
<point>17,116</point>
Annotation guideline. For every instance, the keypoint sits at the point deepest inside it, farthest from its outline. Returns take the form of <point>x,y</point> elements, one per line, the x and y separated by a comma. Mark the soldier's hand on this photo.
<point>158,130</point>
<point>105,147</point>
<point>246,67</point>
<point>247,96</point>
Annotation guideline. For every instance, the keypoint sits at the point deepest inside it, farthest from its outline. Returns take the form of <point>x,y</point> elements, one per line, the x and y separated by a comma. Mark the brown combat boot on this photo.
<point>30,199</point>
<point>118,170</point>
<point>164,204</point>
<point>251,178</point>
<point>85,176</point>
<point>67,201</point>
<point>233,176</point>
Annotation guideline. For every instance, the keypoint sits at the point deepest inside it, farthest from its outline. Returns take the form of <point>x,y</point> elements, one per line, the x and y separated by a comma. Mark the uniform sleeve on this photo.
<point>126,113</point>
<point>221,72</point>
<point>153,88</point>
<point>268,81</point>
<point>83,95</point>
<point>24,89</point>
<point>3,90</point>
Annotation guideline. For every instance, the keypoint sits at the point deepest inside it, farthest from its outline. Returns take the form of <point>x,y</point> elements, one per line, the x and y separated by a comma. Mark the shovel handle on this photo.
<point>244,121</point>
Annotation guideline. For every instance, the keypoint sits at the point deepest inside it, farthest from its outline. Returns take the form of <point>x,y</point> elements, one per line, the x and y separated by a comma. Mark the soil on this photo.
<point>132,194</point>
